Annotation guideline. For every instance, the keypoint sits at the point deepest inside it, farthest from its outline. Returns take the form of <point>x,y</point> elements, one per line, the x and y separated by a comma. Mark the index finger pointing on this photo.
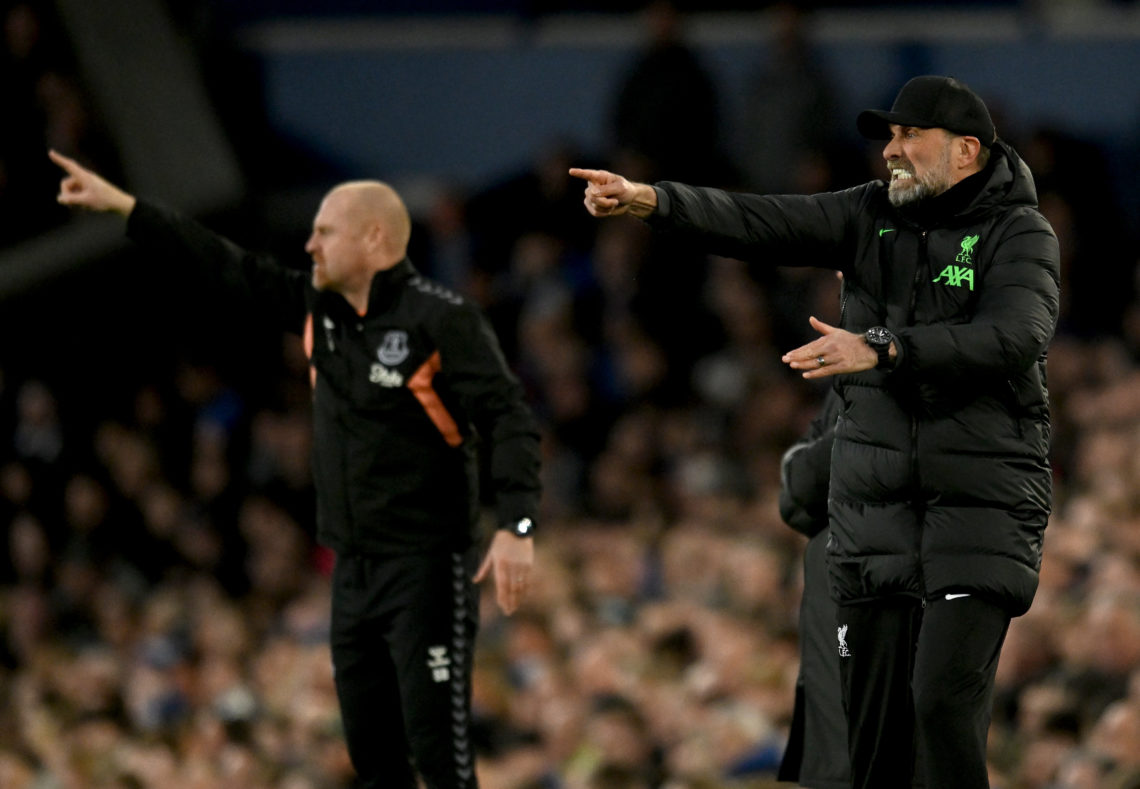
<point>65,162</point>
<point>587,175</point>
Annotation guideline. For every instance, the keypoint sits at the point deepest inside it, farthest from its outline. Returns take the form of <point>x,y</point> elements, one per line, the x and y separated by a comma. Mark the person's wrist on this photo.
<point>644,201</point>
<point>522,527</point>
<point>882,341</point>
<point>125,204</point>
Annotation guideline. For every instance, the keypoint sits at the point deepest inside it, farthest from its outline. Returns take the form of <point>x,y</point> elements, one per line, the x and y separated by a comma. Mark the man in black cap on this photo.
<point>940,486</point>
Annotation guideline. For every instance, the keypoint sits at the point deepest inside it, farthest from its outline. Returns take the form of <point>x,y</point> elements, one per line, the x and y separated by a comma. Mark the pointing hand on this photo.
<point>83,188</point>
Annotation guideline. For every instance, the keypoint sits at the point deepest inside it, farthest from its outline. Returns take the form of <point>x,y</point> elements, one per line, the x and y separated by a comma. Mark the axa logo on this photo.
<point>843,650</point>
<point>956,276</point>
<point>389,379</point>
<point>966,254</point>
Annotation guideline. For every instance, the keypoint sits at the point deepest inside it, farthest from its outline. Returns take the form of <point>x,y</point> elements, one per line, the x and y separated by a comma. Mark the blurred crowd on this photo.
<point>164,609</point>
<point>46,106</point>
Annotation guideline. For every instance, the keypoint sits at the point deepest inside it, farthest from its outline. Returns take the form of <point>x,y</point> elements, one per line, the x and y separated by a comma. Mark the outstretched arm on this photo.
<point>609,194</point>
<point>282,291</point>
<point>83,188</point>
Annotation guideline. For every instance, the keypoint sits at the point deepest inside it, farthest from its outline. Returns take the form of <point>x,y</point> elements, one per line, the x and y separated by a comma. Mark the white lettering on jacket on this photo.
<point>389,379</point>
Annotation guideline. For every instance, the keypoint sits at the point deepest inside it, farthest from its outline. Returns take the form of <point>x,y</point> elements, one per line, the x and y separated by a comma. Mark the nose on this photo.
<point>311,244</point>
<point>892,150</point>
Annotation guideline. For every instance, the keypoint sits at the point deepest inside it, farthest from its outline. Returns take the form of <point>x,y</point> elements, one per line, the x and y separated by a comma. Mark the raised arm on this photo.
<point>280,290</point>
<point>83,188</point>
<point>609,194</point>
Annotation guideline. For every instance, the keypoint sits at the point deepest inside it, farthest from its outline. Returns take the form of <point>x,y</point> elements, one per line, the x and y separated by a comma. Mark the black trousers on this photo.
<point>403,633</point>
<point>816,753</point>
<point>918,685</point>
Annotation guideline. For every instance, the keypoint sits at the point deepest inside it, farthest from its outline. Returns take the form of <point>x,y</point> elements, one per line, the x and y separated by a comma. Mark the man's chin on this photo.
<point>908,195</point>
<point>900,197</point>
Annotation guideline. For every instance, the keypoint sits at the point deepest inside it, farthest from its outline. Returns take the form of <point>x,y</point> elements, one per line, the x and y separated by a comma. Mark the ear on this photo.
<point>966,151</point>
<point>374,236</point>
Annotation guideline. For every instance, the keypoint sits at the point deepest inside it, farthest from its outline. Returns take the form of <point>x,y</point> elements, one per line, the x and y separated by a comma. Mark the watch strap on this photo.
<point>523,527</point>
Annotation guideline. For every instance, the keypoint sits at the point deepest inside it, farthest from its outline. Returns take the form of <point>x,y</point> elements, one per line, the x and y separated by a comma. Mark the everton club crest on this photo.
<point>394,348</point>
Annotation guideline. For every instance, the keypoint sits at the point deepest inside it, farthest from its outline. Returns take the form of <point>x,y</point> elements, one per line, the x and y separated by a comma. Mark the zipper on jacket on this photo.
<point>842,301</point>
<point>920,266</point>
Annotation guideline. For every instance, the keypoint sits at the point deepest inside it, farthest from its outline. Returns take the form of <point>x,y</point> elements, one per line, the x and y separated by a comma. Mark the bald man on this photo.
<point>406,374</point>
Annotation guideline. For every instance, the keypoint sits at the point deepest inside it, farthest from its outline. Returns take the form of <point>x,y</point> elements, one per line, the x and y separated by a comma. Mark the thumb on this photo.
<point>484,568</point>
<point>820,326</point>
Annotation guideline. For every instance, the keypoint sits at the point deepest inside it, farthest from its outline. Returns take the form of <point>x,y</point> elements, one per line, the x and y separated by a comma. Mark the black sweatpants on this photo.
<point>918,683</point>
<point>403,633</point>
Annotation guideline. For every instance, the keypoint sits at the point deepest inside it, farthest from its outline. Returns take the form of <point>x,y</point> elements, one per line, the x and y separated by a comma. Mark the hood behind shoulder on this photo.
<point>1005,183</point>
<point>1010,182</point>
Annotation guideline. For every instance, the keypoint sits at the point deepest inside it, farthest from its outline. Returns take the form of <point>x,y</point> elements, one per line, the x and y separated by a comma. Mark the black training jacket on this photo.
<point>400,397</point>
<point>940,479</point>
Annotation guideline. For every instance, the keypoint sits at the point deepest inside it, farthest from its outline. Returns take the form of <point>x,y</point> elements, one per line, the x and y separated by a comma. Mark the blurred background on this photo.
<point>163,609</point>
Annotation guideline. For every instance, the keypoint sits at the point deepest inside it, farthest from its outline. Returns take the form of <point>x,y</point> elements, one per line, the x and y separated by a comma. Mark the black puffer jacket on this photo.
<point>940,478</point>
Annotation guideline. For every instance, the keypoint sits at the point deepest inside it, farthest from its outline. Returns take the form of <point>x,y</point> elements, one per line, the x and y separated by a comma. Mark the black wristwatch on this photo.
<point>523,527</point>
<point>880,339</point>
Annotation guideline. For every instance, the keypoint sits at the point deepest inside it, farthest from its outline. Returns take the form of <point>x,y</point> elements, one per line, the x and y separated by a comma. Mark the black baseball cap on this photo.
<point>932,102</point>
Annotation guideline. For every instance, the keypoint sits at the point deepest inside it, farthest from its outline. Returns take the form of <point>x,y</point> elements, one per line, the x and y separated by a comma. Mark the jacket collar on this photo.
<point>386,284</point>
<point>1005,181</point>
<point>956,200</point>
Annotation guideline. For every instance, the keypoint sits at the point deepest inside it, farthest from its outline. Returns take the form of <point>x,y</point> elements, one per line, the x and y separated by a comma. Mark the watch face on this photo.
<point>878,335</point>
<point>524,527</point>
